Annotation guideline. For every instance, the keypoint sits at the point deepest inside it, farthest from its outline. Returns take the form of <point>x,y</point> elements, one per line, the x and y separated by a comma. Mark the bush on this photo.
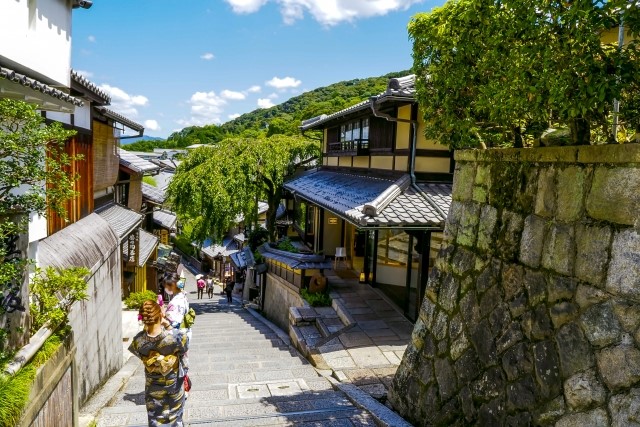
<point>286,245</point>
<point>316,300</point>
<point>134,301</point>
<point>184,245</point>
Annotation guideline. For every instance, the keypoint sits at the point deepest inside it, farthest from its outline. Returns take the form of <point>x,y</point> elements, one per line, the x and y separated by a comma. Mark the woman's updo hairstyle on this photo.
<point>150,312</point>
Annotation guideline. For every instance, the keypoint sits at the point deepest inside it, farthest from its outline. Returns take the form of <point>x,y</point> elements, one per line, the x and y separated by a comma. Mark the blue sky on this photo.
<point>177,63</point>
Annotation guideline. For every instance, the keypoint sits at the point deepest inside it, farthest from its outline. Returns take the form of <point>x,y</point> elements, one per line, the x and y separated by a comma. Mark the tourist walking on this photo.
<point>201,284</point>
<point>228,289</point>
<point>210,286</point>
<point>161,351</point>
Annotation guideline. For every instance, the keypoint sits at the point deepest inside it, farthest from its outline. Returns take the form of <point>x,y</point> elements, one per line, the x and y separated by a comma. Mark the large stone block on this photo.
<point>562,313</point>
<point>532,241</point>
<point>545,205</point>
<point>547,369</point>
<point>592,253</point>
<point>600,325</point>
<point>619,366</point>
<point>521,394</point>
<point>448,295</point>
<point>467,367</point>
<point>486,228</point>
<point>628,314</point>
<point>445,378</point>
<point>511,336</point>
<point>614,195</point>
<point>509,235</point>
<point>623,278</point>
<point>490,384</point>
<point>483,342</point>
<point>463,179</point>
<point>463,262</point>
<point>595,418</point>
<point>574,350</point>
<point>586,296</point>
<point>517,361</point>
<point>458,346</point>
<point>584,390</point>
<point>550,412</point>
<point>625,409</point>
<point>559,249</point>
<point>536,285</point>
<point>571,184</point>
<point>468,227</point>
<point>561,288</point>
<point>512,280</point>
<point>536,323</point>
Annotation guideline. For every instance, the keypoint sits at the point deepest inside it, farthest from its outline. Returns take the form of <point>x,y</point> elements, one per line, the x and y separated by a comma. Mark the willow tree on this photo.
<point>492,71</point>
<point>213,186</point>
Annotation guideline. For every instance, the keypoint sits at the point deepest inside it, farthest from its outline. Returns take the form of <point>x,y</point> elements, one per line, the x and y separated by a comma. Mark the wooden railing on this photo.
<point>350,148</point>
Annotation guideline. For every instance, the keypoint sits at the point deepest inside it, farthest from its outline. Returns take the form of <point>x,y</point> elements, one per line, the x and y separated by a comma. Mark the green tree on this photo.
<point>214,185</point>
<point>492,72</point>
<point>26,184</point>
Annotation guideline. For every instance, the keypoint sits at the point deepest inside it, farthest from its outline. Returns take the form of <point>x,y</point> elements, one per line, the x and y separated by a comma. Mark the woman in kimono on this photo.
<point>161,352</point>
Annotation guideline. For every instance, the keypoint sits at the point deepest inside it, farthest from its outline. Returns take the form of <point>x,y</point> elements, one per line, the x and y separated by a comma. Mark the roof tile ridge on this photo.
<point>377,205</point>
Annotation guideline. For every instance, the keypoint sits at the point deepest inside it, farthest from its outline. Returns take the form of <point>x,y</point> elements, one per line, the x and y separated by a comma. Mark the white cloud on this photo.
<point>124,103</point>
<point>284,83</point>
<point>246,6</point>
<point>206,108</point>
<point>254,89</point>
<point>207,56</point>
<point>326,12</point>
<point>92,39</point>
<point>151,125</point>
<point>233,116</point>
<point>265,103</point>
<point>273,96</point>
<point>232,95</point>
<point>84,73</point>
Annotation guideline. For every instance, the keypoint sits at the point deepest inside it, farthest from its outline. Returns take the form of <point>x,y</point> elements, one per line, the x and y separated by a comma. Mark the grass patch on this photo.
<point>15,390</point>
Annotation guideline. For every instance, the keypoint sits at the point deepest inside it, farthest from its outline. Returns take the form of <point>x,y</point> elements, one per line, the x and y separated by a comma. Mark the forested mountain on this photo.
<point>280,119</point>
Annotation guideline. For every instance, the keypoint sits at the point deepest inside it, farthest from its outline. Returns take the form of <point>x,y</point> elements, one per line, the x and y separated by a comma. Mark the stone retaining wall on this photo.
<point>280,295</point>
<point>531,314</point>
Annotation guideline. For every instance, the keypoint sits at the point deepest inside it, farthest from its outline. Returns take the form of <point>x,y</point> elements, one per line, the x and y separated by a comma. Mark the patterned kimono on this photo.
<point>164,392</point>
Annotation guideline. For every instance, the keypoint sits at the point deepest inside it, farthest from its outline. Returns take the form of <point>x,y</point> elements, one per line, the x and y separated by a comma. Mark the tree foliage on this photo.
<point>53,293</point>
<point>214,185</point>
<point>496,71</point>
<point>33,177</point>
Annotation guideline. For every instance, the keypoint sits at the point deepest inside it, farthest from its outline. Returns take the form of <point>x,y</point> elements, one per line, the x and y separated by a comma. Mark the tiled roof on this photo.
<point>85,243</point>
<point>153,194</point>
<point>298,261</point>
<point>368,201</point>
<point>165,219</point>
<point>121,119</point>
<point>228,247</point>
<point>9,74</point>
<point>122,220</point>
<point>163,179</point>
<point>147,244</point>
<point>85,83</point>
<point>135,163</point>
<point>397,88</point>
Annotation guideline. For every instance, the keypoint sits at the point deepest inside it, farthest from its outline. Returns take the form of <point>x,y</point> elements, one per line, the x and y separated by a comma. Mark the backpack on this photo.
<point>189,318</point>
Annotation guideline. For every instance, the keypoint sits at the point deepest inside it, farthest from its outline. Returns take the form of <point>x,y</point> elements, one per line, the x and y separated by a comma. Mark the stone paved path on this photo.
<point>243,375</point>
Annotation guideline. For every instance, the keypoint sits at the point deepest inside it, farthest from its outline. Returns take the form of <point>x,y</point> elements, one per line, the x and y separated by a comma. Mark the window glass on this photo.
<point>365,129</point>
<point>343,134</point>
<point>356,131</point>
<point>349,132</point>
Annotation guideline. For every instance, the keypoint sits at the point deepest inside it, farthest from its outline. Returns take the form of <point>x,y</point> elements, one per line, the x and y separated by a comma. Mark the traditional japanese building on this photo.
<point>378,202</point>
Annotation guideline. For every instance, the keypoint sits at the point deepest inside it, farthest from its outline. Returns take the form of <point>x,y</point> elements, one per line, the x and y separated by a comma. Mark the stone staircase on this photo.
<point>243,375</point>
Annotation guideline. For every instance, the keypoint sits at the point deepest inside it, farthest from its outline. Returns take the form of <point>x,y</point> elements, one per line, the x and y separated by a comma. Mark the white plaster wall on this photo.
<point>60,117</point>
<point>82,116</point>
<point>37,35</point>
<point>37,228</point>
<point>97,328</point>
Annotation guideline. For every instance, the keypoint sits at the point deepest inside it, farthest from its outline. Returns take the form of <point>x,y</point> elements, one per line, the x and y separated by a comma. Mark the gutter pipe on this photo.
<point>412,158</point>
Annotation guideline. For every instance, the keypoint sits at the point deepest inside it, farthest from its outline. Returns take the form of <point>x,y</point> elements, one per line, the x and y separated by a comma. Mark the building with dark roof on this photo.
<point>381,196</point>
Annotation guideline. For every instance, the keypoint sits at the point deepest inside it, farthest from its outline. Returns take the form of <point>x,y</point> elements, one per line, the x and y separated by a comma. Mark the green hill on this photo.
<point>280,119</point>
